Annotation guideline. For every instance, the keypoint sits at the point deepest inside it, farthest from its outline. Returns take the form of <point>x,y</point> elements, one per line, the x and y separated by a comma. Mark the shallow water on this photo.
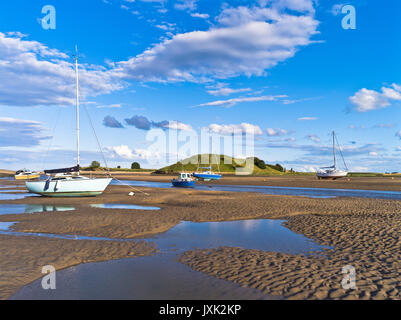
<point>6,225</point>
<point>161,276</point>
<point>122,206</point>
<point>273,190</point>
<point>11,196</point>
<point>32,208</point>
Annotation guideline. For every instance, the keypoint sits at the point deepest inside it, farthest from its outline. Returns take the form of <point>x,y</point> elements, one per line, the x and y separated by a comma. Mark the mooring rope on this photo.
<point>125,184</point>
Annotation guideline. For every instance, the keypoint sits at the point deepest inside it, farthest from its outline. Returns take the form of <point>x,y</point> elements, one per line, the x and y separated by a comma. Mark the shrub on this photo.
<point>95,165</point>
<point>135,165</point>
<point>259,163</point>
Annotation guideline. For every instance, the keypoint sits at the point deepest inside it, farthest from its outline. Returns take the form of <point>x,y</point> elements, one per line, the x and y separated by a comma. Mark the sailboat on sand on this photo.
<point>67,182</point>
<point>332,172</point>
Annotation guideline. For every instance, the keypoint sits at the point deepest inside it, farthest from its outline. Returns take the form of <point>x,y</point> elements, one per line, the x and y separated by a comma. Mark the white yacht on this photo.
<point>67,182</point>
<point>332,172</point>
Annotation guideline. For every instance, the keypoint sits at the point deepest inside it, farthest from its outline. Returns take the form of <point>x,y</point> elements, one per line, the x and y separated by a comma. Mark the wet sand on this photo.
<point>368,241</point>
<point>304,181</point>
<point>364,232</point>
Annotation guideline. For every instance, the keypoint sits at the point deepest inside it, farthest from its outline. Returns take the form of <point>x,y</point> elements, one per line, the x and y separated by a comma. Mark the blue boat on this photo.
<point>184,181</point>
<point>206,175</point>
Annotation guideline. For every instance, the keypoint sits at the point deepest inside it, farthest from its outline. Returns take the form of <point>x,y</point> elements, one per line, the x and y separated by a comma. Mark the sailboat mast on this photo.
<point>77,99</point>
<point>334,151</point>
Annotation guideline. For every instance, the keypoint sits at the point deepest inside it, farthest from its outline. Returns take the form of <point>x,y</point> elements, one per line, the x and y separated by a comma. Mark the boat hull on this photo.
<point>182,184</point>
<point>69,188</point>
<point>206,177</point>
<point>27,176</point>
<point>331,175</point>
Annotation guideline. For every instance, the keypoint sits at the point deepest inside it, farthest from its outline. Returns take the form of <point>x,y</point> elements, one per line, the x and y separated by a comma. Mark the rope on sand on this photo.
<point>124,184</point>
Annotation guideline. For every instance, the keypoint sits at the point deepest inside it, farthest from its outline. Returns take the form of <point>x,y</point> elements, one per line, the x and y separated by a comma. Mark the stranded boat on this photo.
<point>184,180</point>
<point>332,172</point>
<point>67,182</point>
<point>207,175</point>
<point>26,175</point>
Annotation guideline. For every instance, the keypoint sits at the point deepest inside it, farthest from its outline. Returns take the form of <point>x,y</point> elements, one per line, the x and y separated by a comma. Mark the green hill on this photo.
<point>218,165</point>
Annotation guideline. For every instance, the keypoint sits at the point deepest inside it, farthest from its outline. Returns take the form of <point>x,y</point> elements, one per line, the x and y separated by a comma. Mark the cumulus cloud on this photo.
<point>228,129</point>
<point>367,100</point>
<point>20,133</point>
<point>32,74</point>
<point>246,41</point>
<point>276,132</point>
<point>143,123</point>
<point>232,102</point>
<point>125,152</point>
<point>111,122</point>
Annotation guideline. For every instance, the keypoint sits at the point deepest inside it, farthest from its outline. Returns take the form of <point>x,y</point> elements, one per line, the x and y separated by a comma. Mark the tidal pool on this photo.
<point>161,276</point>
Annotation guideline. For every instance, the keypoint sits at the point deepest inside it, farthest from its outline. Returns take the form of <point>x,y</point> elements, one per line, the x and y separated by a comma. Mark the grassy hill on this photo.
<point>215,159</point>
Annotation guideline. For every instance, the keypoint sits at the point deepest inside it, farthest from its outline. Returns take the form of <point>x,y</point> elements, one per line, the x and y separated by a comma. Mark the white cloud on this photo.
<point>177,125</point>
<point>373,154</point>
<point>275,132</point>
<point>234,101</point>
<point>224,91</point>
<point>186,5</point>
<point>367,100</point>
<point>20,133</point>
<point>32,74</point>
<point>125,152</point>
<point>256,43</point>
<point>307,118</point>
<point>235,128</point>
<point>200,15</point>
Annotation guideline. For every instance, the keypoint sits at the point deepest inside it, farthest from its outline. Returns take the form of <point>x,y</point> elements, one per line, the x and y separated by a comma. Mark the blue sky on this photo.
<point>286,69</point>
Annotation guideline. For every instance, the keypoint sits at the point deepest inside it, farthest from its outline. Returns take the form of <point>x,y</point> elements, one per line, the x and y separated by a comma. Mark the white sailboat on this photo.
<point>332,172</point>
<point>67,182</point>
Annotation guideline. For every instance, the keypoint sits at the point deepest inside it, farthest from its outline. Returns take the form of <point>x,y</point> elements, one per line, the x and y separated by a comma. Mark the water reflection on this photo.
<point>32,208</point>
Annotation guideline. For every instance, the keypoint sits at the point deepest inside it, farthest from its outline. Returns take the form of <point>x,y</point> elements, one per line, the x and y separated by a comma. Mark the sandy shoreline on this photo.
<point>364,232</point>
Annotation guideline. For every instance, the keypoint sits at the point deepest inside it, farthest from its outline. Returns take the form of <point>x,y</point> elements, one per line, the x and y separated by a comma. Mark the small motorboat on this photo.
<point>26,174</point>
<point>207,175</point>
<point>184,180</point>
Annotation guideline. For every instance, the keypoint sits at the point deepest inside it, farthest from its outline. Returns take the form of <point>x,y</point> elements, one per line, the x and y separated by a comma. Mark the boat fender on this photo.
<point>47,184</point>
